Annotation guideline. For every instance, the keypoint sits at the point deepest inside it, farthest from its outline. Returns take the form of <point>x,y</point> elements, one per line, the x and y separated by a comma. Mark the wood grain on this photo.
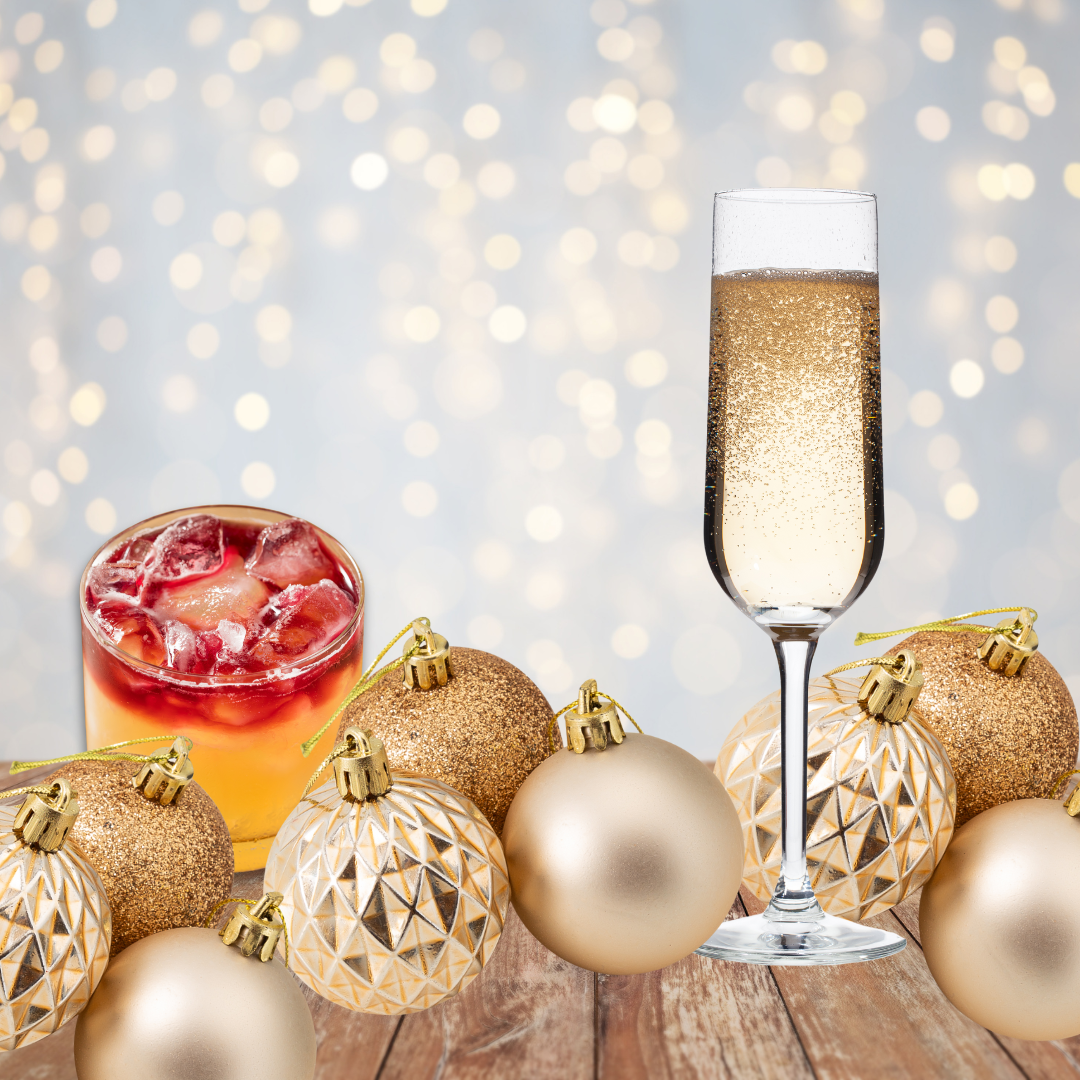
<point>886,1018</point>
<point>698,1019</point>
<point>529,1014</point>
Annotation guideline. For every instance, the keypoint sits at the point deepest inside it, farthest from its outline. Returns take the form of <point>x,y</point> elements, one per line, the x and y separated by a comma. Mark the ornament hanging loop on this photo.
<point>361,770</point>
<point>1072,803</point>
<point>426,656</point>
<point>258,928</point>
<point>888,695</point>
<point>46,816</point>
<point>593,723</point>
<point>1011,645</point>
<point>164,781</point>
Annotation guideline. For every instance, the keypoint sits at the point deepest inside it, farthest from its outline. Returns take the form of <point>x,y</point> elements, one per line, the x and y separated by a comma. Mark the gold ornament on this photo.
<point>1003,714</point>
<point>395,887</point>
<point>999,921</point>
<point>880,794</point>
<point>458,715</point>
<point>625,852</point>
<point>156,838</point>
<point>54,917</point>
<point>183,1004</point>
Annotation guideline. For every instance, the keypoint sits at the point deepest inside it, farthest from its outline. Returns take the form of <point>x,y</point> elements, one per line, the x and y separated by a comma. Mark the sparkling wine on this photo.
<point>794,486</point>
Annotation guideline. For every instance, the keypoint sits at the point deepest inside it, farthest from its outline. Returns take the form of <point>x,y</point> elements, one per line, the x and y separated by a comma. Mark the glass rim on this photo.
<point>803,196</point>
<point>247,678</point>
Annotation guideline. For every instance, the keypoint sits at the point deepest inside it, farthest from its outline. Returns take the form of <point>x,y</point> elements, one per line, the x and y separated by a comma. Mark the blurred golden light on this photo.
<point>809,57</point>
<point>428,8</point>
<point>496,179</point>
<point>281,168</point>
<point>502,251</point>
<point>408,145</point>
<point>421,438</point>
<point>507,324</point>
<point>417,76</point>
<point>795,112</point>
<point>186,270</point>
<point>1002,314</point>
<point>1007,355</point>
<point>1035,86</point>
<point>1071,177</point>
<point>421,324</point>
<point>834,129</point>
<point>244,55</point>
<point>961,501</point>
<point>34,145</point>
<point>369,171</point>
<point>99,13</point>
<point>359,105</point>
<point>35,283</point>
<point>582,177</point>
<point>580,114</point>
<point>265,227</point>
<point>397,50</point>
<point>72,464</point>
<point>95,220</point>
<point>615,44</point>
<point>203,340</point>
<point>324,8</point>
<point>337,74</point>
<point>252,411</point>
<point>669,213</point>
<point>1010,53</point>
<point>229,228</point>
<point>848,106</point>
<point>1000,253</point>
<point>179,393</point>
<point>933,123</point>
<point>112,333</point>
<point>48,56</point>
<point>544,523</point>
<point>100,515</point>
<point>22,114</point>
<point>615,113</point>
<point>442,171</point>
<point>276,34</point>
<point>106,264</point>
<point>43,233</point>
<point>938,39</point>
<point>646,368</point>
<point>87,404</point>
<point>1005,120</point>
<point>481,121</point>
<point>645,171</point>
<point>205,28</point>
<point>167,207</point>
<point>925,408</point>
<point>258,480</point>
<point>458,200</point>
<point>160,83</point>
<point>44,355</point>
<point>966,378</point>
<point>273,323</point>
<point>655,117</point>
<point>1019,180</point>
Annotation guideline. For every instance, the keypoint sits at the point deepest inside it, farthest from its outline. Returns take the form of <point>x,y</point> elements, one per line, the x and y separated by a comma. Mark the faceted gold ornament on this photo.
<point>880,798</point>
<point>55,923</point>
<point>395,886</point>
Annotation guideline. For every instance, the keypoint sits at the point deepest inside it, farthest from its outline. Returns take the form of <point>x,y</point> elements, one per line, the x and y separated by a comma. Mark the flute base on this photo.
<point>791,941</point>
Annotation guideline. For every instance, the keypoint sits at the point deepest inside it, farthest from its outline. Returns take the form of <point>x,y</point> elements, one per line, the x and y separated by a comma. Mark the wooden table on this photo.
<point>533,1016</point>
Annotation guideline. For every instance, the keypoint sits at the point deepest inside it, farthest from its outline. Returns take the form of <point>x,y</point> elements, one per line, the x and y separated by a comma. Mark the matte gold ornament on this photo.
<point>625,852</point>
<point>1003,714</point>
<point>156,838</point>
<point>999,921</point>
<point>54,917</point>
<point>395,887</point>
<point>181,1004</point>
<point>880,794</point>
<point>458,715</point>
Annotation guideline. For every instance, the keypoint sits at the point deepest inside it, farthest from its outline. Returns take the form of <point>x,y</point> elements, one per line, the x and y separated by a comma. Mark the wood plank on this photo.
<point>1038,1060</point>
<point>885,1018</point>
<point>528,1014</point>
<point>698,1019</point>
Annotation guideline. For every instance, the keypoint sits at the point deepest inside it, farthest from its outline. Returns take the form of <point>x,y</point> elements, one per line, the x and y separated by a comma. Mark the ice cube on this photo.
<point>133,630</point>
<point>107,581</point>
<point>207,648</point>
<point>190,547</point>
<point>307,618</point>
<point>179,646</point>
<point>136,552</point>
<point>230,593</point>
<point>232,635</point>
<point>289,553</point>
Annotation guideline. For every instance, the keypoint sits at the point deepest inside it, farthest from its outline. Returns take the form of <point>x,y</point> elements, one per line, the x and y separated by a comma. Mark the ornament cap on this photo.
<point>427,658</point>
<point>257,929</point>
<point>361,771</point>
<point>889,695</point>
<point>164,781</point>
<point>43,821</point>
<point>593,724</point>
<point>1011,645</point>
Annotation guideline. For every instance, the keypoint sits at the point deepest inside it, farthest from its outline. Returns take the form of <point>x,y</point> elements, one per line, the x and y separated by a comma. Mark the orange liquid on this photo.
<point>247,729</point>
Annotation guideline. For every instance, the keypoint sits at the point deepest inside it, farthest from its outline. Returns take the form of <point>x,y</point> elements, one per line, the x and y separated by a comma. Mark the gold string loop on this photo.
<point>213,917</point>
<point>366,681</point>
<point>33,789</point>
<point>553,726</point>
<point>894,663</point>
<point>111,753</point>
<point>1061,780</point>
<point>947,626</point>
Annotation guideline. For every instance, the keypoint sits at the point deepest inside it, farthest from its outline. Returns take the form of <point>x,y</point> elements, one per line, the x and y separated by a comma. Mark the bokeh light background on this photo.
<point>436,277</point>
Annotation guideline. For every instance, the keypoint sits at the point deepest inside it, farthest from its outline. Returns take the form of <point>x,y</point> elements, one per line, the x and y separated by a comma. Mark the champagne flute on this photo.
<point>794,523</point>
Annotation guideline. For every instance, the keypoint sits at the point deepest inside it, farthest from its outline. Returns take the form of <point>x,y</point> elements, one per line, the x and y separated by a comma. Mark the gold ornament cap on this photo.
<point>43,821</point>
<point>164,781</point>
<point>593,724</point>
<point>889,695</point>
<point>1011,645</point>
<point>427,658</point>
<point>256,930</point>
<point>362,771</point>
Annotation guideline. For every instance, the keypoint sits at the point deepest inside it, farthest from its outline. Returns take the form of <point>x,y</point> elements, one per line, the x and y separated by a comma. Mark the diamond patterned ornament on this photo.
<point>55,922</point>
<point>395,887</point>
<point>880,795</point>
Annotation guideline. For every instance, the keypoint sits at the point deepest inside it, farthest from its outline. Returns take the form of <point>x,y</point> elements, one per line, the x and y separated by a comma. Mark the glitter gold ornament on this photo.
<point>155,837</point>
<point>624,851</point>
<point>880,794</point>
<point>182,1003</point>
<point>395,887</point>
<point>1004,715</point>
<point>999,922</point>
<point>458,715</point>
<point>54,916</point>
